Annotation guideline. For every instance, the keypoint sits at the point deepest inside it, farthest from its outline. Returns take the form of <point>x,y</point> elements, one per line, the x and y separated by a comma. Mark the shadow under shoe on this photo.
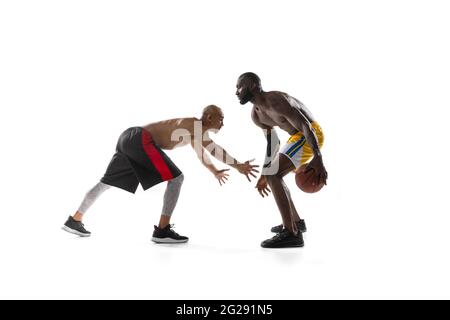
<point>284,239</point>
<point>167,235</point>
<point>75,227</point>
<point>301,226</point>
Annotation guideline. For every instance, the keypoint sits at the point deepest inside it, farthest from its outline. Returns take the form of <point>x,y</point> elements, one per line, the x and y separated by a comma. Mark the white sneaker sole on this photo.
<point>168,240</point>
<point>78,233</point>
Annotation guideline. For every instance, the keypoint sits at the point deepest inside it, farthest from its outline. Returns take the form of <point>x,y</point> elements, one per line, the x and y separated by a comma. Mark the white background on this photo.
<point>75,74</point>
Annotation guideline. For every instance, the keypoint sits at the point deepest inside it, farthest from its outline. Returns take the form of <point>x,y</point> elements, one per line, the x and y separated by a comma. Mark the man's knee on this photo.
<point>98,189</point>
<point>177,180</point>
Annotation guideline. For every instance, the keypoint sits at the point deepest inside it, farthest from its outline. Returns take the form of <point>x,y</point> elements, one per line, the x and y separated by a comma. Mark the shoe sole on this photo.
<point>73,231</point>
<point>168,240</point>
<point>302,231</point>
<point>286,246</point>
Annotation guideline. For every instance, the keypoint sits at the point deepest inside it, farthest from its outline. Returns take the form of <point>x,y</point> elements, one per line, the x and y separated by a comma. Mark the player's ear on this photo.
<point>252,86</point>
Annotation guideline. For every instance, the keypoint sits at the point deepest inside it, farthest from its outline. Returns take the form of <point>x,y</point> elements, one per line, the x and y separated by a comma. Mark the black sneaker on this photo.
<point>301,226</point>
<point>284,239</point>
<point>167,235</point>
<point>75,227</point>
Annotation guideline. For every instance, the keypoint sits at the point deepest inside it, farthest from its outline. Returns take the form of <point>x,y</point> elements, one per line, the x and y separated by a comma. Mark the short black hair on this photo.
<point>251,77</point>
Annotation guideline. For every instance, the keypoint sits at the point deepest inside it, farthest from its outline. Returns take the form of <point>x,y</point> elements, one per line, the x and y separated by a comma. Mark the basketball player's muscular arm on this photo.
<point>273,145</point>
<point>302,124</point>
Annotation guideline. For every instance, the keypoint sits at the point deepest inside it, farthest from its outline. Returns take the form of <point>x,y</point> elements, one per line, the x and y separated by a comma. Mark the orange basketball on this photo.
<point>305,180</point>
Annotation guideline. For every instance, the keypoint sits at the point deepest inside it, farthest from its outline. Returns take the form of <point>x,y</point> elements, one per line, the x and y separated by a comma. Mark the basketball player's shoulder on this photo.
<point>276,97</point>
<point>186,123</point>
<point>190,120</point>
<point>278,101</point>
<point>292,101</point>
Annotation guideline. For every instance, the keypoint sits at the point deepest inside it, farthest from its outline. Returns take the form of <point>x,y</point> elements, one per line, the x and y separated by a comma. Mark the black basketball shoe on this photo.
<point>167,235</point>
<point>301,226</point>
<point>75,227</point>
<point>284,239</point>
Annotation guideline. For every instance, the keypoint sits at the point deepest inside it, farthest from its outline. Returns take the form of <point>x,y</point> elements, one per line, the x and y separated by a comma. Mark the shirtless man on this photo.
<point>139,159</point>
<point>272,109</point>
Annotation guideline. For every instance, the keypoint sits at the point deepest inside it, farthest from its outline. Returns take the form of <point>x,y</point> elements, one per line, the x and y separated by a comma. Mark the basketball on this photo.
<point>305,180</point>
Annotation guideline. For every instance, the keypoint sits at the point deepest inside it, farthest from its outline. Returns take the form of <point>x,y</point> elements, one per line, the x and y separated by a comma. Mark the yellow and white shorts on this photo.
<point>298,150</point>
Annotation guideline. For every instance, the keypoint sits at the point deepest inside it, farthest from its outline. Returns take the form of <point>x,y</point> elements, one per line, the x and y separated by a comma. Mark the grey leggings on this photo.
<point>170,196</point>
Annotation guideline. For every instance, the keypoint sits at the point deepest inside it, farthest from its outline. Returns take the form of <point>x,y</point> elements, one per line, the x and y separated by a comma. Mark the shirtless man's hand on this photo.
<point>221,176</point>
<point>247,169</point>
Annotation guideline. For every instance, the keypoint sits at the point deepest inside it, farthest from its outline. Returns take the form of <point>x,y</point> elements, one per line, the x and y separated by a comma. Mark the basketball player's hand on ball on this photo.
<point>262,186</point>
<point>321,173</point>
<point>221,175</point>
<point>247,169</point>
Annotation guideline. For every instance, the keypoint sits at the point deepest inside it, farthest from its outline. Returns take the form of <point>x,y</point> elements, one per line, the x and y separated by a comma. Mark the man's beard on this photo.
<point>246,98</point>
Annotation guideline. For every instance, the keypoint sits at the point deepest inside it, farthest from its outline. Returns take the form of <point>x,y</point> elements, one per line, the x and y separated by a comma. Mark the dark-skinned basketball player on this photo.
<point>277,109</point>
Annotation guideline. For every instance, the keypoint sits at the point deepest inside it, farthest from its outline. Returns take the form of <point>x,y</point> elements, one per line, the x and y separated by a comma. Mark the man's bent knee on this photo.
<point>177,180</point>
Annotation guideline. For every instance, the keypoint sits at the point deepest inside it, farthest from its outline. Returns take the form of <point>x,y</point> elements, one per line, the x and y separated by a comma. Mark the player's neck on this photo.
<point>258,98</point>
<point>205,126</point>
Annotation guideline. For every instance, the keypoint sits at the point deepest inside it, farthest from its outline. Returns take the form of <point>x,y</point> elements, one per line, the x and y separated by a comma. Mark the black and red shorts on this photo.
<point>138,160</point>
